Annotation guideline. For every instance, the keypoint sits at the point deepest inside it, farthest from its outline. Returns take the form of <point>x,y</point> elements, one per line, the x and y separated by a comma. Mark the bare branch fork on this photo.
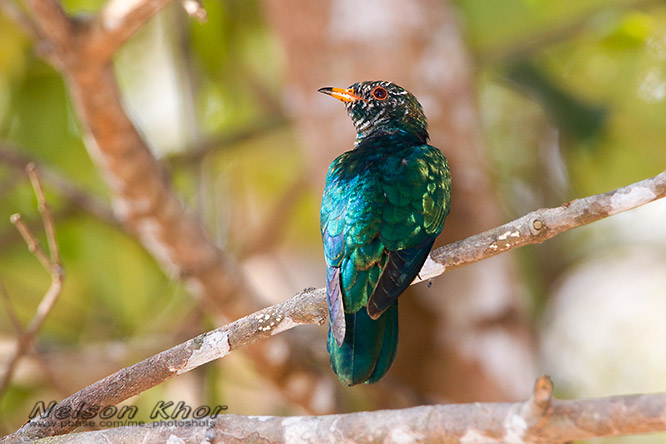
<point>309,307</point>
<point>50,261</point>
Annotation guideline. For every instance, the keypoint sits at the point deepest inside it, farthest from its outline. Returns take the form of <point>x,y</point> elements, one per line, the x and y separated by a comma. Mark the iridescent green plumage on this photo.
<point>384,204</point>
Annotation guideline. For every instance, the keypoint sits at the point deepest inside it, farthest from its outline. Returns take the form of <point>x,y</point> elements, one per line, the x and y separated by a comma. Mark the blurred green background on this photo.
<point>571,97</point>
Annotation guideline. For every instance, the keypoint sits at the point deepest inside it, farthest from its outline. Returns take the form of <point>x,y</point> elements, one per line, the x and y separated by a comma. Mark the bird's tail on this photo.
<point>369,346</point>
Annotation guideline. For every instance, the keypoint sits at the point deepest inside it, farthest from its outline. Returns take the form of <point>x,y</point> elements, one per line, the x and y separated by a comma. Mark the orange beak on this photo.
<point>344,95</point>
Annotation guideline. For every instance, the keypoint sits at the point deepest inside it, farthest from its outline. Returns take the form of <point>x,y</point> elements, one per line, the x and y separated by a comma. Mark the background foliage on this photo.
<point>571,97</point>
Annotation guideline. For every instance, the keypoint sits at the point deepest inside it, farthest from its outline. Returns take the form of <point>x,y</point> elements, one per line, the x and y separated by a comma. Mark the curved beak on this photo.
<point>344,95</point>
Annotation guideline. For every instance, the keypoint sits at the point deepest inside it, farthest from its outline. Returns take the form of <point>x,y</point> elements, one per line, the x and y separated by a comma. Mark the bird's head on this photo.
<point>376,106</point>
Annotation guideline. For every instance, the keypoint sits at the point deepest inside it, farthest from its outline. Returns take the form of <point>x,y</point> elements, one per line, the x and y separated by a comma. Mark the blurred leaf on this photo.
<point>13,55</point>
<point>82,6</point>
<point>571,114</point>
<point>212,40</point>
<point>492,25</point>
<point>632,31</point>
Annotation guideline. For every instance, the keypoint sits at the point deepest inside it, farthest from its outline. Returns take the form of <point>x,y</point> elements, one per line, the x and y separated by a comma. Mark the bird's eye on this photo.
<point>379,93</point>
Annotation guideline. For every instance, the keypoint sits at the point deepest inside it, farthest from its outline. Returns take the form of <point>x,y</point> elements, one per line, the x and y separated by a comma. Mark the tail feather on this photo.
<point>389,344</point>
<point>368,349</point>
<point>336,309</point>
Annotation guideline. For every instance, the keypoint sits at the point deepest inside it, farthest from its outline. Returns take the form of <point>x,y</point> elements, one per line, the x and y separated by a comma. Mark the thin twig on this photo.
<point>30,240</point>
<point>45,210</point>
<point>25,337</point>
<point>22,339</point>
<point>24,342</point>
<point>53,264</point>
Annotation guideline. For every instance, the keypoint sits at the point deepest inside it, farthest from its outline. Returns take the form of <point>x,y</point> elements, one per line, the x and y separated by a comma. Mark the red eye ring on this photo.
<point>379,93</point>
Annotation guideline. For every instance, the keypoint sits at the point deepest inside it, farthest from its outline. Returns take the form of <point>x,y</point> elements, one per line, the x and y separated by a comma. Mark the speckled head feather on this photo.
<point>381,106</point>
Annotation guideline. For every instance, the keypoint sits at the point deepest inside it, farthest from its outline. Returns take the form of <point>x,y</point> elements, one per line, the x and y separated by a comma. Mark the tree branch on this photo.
<point>116,23</point>
<point>540,419</point>
<point>54,25</point>
<point>541,225</point>
<point>142,196</point>
<point>309,307</point>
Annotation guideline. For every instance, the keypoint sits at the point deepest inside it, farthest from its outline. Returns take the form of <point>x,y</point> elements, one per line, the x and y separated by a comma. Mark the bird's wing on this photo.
<point>350,227</point>
<point>378,228</point>
<point>333,209</point>
<point>400,270</point>
<point>417,190</point>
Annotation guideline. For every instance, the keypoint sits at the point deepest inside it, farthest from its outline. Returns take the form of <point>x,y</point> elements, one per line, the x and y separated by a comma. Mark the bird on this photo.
<point>384,203</point>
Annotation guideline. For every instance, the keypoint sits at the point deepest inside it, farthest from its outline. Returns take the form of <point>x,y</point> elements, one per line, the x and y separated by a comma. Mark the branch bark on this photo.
<point>309,307</point>
<point>118,21</point>
<point>540,419</point>
<point>541,225</point>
